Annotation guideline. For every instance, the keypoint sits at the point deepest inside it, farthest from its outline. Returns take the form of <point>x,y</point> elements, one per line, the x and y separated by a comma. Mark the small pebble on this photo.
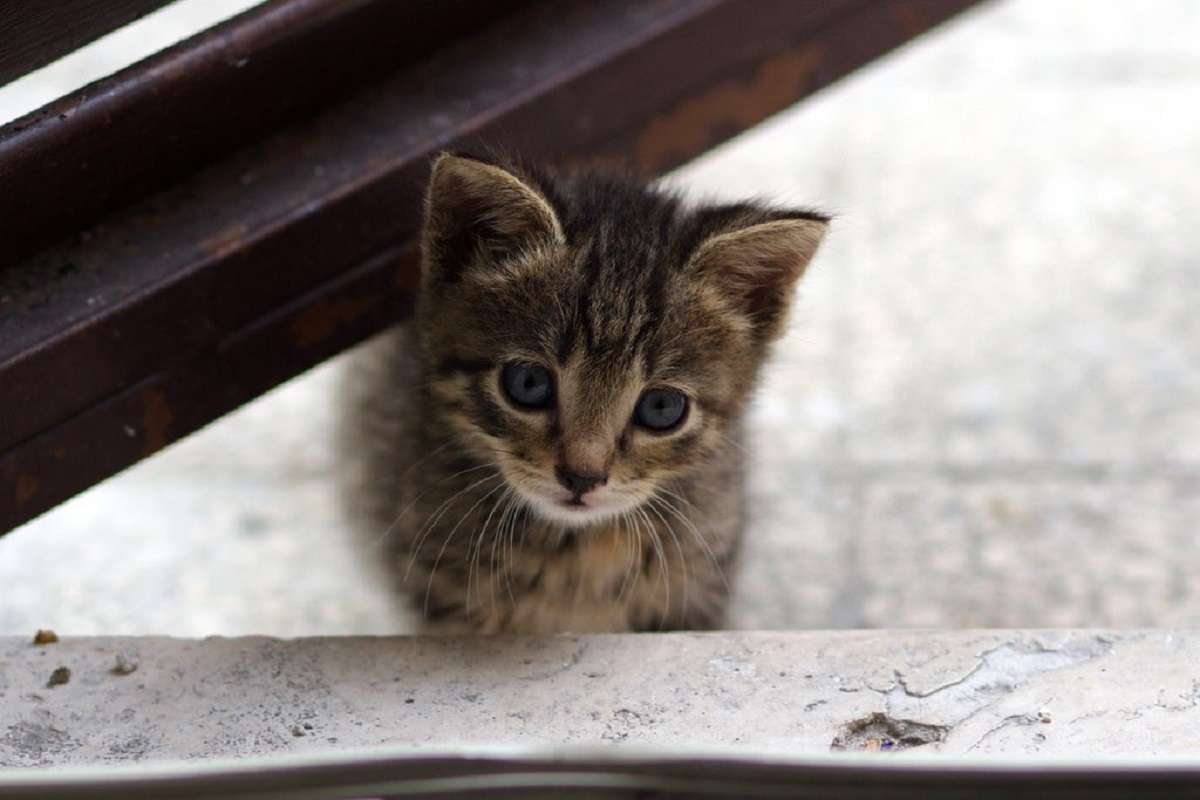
<point>59,677</point>
<point>126,663</point>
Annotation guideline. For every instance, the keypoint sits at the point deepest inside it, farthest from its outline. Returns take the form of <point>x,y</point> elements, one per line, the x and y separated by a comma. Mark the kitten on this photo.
<point>553,443</point>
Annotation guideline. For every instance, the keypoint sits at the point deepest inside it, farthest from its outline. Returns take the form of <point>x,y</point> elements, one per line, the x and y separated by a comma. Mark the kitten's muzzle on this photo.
<point>577,484</point>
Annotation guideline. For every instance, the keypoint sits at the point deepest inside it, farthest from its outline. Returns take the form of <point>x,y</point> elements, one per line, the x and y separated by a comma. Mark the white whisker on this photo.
<point>691,527</point>
<point>476,545</point>
<point>683,559</point>
<point>514,516</point>
<point>388,531</point>
<point>633,541</point>
<point>436,517</point>
<point>660,554</point>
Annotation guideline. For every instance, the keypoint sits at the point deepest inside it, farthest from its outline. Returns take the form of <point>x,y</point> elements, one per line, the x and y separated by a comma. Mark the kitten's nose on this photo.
<point>578,484</point>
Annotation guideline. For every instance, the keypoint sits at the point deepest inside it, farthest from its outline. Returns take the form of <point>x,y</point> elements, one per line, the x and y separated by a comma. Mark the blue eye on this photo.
<point>528,385</point>
<point>660,409</point>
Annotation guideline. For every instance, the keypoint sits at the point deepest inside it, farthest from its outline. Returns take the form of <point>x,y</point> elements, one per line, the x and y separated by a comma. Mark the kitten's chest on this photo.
<point>609,579</point>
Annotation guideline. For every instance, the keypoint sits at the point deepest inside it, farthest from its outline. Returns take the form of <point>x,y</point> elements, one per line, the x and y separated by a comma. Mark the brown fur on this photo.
<point>614,288</point>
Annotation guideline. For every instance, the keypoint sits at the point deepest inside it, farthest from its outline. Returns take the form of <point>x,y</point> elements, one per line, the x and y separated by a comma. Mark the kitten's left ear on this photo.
<point>758,262</point>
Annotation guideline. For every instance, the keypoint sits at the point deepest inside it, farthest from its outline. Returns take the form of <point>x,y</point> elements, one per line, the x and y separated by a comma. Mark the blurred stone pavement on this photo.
<point>986,412</point>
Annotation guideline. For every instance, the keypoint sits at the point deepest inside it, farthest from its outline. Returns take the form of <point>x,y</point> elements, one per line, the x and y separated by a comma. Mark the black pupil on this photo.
<point>660,409</point>
<point>528,385</point>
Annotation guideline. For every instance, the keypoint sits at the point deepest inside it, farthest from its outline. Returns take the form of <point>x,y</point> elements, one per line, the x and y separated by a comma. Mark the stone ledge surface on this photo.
<point>978,693</point>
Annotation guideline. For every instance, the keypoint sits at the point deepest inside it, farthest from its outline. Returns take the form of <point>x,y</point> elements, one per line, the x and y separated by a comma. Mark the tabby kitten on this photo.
<point>553,444</point>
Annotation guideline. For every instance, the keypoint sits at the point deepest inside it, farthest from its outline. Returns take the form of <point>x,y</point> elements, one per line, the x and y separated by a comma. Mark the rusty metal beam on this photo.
<point>71,162</point>
<point>168,313</point>
<point>35,32</point>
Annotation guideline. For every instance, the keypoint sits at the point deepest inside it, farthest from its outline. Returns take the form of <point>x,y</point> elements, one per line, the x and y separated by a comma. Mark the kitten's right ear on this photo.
<point>479,211</point>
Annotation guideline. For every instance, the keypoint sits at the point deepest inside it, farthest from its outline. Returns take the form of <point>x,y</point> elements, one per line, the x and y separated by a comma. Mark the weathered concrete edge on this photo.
<point>1036,694</point>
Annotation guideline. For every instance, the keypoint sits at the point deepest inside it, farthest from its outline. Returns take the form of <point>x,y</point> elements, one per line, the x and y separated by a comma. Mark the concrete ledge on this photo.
<point>115,700</point>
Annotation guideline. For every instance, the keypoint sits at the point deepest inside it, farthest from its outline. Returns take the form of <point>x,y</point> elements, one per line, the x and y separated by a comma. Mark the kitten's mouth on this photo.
<point>582,504</point>
<point>552,502</point>
<point>583,509</point>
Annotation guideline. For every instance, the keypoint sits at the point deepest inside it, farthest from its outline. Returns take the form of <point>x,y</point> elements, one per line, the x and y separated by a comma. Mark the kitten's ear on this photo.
<point>478,210</point>
<point>755,257</point>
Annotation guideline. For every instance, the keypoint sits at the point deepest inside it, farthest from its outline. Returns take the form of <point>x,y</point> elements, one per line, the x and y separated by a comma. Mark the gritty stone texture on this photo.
<point>986,412</point>
<point>794,694</point>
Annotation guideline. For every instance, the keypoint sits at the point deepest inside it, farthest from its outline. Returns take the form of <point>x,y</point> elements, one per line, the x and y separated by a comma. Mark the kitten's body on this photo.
<point>554,442</point>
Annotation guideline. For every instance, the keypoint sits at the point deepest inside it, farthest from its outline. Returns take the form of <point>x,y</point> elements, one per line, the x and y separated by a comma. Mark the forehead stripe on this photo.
<point>451,365</point>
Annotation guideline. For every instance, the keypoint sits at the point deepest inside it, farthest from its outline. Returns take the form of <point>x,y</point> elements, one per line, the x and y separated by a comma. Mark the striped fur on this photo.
<point>615,288</point>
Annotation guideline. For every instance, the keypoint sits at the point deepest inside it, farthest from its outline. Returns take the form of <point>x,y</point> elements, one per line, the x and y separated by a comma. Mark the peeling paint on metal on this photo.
<point>27,487</point>
<point>731,105</point>
<point>320,320</point>
<point>157,417</point>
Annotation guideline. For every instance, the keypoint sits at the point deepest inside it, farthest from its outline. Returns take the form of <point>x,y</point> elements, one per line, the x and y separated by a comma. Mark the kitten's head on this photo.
<point>590,336</point>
